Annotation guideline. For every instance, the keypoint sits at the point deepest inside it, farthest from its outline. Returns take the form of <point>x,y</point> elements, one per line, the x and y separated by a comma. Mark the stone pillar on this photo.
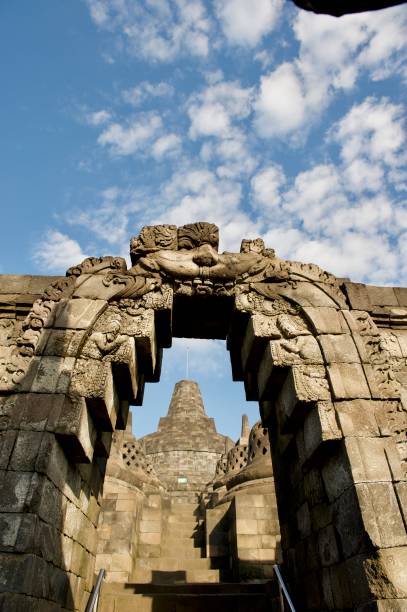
<point>65,385</point>
<point>129,478</point>
<point>328,393</point>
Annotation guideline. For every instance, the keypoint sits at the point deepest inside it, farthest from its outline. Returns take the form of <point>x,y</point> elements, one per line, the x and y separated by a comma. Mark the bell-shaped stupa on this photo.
<point>186,447</point>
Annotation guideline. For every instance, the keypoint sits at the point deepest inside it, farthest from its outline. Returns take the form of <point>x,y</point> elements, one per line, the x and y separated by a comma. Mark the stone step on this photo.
<point>183,505</point>
<point>256,586</point>
<point>181,529</point>
<point>183,598</point>
<point>148,576</point>
<point>181,520</point>
<point>183,552</point>
<point>173,563</point>
<point>189,541</point>
<point>182,516</point>
<point>188,603</point>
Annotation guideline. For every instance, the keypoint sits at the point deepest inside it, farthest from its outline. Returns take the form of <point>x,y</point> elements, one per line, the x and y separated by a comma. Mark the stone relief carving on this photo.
<point>110,340</point>
<point>194,235</point>
<point>392,418</point>
<point>310,383</point>
<point>6,332</point>
<point>59,289</point>
<point>382,362</point>
<point>153,238</point>
<point>364,323</point>
<point>302,349</point>
<point>255,303</point>
<point>95,265</point>
<point>188,259</point>
<point>14,362</point>
<point>13,370</point>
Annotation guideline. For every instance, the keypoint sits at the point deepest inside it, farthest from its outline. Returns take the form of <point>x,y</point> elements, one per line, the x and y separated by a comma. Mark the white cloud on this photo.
<point>246,23</point>
<point>199,194</point>
<point>99,11</point>
<point>208,120</point>
<point>158,29</point>
<point>98,117</point>
<point>314,195</point>
<point>214,76</point>
<point>213,110</point>
<point>109,217</point>
<point>373,129</point>
<point>205,358</point>
<point>355,255</point>
<point>265,57</point>
<point>232,153</point>
<point>333,54</point>
<point>166,145</point>
<point>361,175</point>
<point>131,137</point>
<point>280,106</point>
<point>56,252</point>
<point>145,90</point>
<point>266,187</point>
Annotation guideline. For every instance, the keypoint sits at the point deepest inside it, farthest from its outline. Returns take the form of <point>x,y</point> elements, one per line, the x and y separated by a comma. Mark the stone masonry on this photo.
<point>186,447</point>
<point>325,357</point>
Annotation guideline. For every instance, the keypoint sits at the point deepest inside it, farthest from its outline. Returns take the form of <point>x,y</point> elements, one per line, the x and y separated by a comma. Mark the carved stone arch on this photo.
<point>321,372</point>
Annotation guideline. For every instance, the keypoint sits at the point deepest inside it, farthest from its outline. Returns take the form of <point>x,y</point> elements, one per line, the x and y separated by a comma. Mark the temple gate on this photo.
<point>326,362</point>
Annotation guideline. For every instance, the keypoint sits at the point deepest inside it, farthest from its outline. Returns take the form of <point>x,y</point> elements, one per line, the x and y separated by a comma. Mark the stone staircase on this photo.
<point>196,597</point>
<point>182,578</point>
<point>182,555</point>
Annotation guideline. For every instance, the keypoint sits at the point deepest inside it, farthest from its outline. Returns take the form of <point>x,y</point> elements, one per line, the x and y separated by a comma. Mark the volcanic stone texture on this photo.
<point>186,445</point>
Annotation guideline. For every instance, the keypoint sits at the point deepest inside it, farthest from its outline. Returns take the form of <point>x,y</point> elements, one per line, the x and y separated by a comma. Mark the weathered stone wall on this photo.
<point>328,379</point>
<point>241,514</point>
<point>328,388</point>
<point>197,467</point>
<point>48,506</point>
<point>60,399</point>
<point>186,445</point>
<point>130,479</point>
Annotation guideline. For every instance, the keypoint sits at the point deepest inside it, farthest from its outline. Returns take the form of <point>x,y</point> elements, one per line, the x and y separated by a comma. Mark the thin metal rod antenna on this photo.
<point>187,376</point>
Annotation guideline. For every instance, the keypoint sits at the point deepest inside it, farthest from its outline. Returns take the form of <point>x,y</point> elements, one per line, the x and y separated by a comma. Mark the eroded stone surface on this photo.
<point>326,358</point>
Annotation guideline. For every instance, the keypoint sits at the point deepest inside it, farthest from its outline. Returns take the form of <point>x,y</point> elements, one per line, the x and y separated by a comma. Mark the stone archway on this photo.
<point>320,371</point>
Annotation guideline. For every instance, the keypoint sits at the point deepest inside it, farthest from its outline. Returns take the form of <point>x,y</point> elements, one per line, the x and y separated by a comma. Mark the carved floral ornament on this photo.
<point>188,259</point>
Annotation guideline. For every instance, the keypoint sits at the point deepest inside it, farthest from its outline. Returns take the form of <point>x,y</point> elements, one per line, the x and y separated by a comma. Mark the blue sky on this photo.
<point>272,122</point>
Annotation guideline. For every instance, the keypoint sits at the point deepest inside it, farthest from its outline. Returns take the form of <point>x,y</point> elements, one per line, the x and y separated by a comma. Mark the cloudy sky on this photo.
<point>272,122</point>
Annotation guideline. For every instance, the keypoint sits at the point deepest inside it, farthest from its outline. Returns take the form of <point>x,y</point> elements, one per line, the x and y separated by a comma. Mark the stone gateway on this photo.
<point>325,358</point>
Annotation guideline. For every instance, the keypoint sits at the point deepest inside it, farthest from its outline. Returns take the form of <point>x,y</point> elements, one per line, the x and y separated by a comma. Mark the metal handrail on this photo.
<point>283,588</point>
<point>92,605</point>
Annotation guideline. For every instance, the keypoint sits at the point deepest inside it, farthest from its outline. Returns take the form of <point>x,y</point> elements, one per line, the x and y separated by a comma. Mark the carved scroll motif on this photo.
<point>392,418</point>
<point>311,383</point>
<point>382,362</point>
<point>194,235</point>
<point>364,323</point>
<point>255,303</point>
<point>153,238</point>
<point>13,364</point>
<point>6,332</point>
<point>299,350</point>
<point>41,314</point>
<point>96,265</point>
